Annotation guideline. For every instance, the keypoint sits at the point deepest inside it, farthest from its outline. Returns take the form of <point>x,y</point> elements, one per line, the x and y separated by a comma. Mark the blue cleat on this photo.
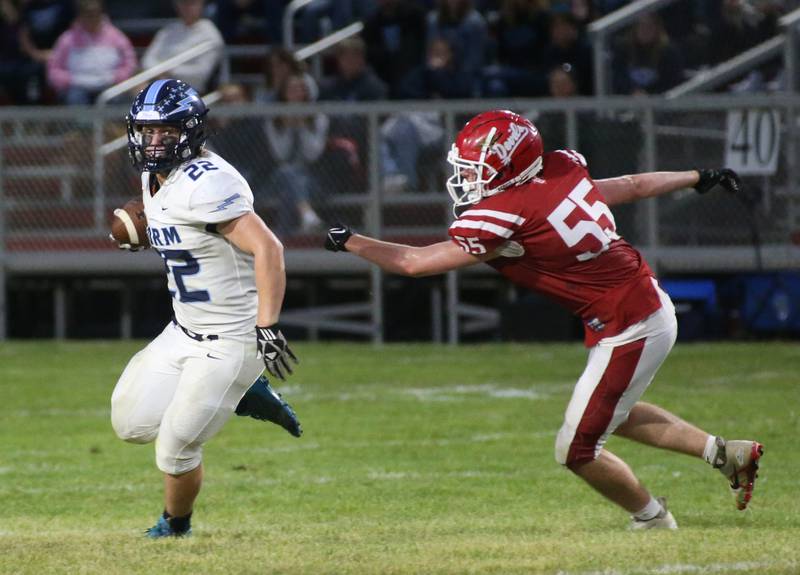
<point>164,529</point>
<point>265,404</point>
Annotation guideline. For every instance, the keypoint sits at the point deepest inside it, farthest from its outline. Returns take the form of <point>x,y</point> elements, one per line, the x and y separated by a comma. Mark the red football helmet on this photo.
<point>494,151</point>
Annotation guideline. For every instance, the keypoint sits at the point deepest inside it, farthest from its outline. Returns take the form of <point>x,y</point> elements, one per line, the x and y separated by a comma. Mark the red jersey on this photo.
<point>557,236</point>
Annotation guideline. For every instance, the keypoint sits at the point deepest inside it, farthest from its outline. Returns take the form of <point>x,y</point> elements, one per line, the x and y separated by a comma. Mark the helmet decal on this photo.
<point>168,103</point>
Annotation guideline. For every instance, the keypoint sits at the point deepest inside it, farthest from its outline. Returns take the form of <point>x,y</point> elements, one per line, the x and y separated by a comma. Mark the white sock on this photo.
<point>649,511</point>
<point>710,451</point>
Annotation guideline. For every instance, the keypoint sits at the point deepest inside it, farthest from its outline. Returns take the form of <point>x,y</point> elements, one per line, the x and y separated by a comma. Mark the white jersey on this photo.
<point>212,282</point>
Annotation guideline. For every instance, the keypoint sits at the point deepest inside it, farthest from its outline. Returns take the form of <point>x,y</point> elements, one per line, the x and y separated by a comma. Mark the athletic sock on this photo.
<point>179,524</point>
<point>652,509</point>
<point>712,454</point>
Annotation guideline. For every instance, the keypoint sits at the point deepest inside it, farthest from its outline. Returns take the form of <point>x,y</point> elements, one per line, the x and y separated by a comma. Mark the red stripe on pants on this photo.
<point>600,409</point>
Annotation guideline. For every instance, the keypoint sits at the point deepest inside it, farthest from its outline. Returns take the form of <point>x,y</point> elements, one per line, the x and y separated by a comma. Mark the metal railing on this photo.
<point>600,29</point>
<point>784,44</point>
<point>681,234</point>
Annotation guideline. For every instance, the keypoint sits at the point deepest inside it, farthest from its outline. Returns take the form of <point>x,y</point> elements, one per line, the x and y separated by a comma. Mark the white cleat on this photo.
<point>664,519</point>
<point>738,461</point>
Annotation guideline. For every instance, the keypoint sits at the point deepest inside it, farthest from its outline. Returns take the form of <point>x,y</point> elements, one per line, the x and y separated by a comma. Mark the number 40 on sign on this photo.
<point>753,141</point>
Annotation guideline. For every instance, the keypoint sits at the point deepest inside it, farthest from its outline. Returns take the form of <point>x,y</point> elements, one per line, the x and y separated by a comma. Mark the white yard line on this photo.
<point>692,569</point>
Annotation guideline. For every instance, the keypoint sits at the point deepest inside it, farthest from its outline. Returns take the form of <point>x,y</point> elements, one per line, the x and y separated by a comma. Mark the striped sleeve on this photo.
<point>576,157</point>
<point>477,230</point>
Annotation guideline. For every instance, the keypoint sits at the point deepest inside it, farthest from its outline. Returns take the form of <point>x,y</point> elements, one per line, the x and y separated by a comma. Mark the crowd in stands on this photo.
<point>69,51</point>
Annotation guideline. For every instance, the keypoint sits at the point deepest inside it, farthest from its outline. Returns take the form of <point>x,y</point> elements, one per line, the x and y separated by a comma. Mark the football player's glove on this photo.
<point>127,247</point>
<point>271,346</point>
<point>337,238</point>
<point>725,177</point>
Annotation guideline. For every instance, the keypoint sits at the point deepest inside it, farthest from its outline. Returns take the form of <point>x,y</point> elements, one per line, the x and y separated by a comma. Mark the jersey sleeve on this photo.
<point>479,231</point>
<point>572,156</point>
<point>221,198</point>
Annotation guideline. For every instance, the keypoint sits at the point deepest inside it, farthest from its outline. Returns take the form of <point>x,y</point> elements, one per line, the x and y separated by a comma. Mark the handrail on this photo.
<point>329,40</point>
<point>602,27</point>
<point>729,69</point>
<point>154,71</point>
<point>288,21</point>
<point>619,18</point>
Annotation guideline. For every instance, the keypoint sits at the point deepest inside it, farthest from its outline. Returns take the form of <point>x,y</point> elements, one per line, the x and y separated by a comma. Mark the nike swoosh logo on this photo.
<point>212,357</point>
<point>164,209</point>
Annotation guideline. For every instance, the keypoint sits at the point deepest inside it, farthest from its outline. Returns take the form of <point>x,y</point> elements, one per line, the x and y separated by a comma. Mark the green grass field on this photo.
<point>415,459</point>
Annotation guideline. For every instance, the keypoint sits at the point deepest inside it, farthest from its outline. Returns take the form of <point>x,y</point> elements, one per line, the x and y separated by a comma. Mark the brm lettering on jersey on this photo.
<point>506,148</point>
<point>163,236</point>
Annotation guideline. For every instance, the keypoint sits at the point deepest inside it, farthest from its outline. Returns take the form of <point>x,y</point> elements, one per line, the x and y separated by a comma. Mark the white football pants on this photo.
<point>618,371</point>
<point>181,392</point>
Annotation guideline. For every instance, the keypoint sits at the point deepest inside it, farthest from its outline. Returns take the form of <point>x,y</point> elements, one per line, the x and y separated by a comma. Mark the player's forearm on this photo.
<point>646,185</point>
<point>393,258</point>
<point>270,275</point>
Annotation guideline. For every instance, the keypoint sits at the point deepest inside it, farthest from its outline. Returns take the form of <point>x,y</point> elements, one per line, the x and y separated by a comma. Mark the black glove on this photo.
<point>337,237</point>
<point>725,177</point>
<point>271,346</point>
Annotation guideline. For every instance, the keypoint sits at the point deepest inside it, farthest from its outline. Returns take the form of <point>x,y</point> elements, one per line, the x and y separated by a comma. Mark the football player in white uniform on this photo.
<point>226,274</point>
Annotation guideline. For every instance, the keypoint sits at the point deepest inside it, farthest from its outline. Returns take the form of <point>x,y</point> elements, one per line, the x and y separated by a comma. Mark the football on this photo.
<point>129,225</point>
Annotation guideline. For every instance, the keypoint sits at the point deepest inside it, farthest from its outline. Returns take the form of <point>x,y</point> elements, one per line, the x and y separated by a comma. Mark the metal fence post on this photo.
<point>375,224</point>
<point>3,302</point>
<point>99,168</point>
<point>651,205</point>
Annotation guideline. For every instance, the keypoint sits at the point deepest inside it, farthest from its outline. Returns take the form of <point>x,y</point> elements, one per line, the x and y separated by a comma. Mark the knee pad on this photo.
<point>130,432</point>
<point>177,452</point>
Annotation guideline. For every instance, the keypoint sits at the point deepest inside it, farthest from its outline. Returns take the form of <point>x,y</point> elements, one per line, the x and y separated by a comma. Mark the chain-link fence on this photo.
<point>381,167</point>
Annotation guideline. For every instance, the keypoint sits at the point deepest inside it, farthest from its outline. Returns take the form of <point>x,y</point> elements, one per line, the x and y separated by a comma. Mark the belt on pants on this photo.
<point>194,335</point>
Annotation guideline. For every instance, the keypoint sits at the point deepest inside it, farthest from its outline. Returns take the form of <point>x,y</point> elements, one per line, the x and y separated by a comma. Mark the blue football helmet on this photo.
<point>172,103</point>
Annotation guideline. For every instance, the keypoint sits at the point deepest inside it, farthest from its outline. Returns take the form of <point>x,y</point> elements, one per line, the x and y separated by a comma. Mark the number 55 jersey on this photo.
<point>211,281</point>
<point>556,235</point>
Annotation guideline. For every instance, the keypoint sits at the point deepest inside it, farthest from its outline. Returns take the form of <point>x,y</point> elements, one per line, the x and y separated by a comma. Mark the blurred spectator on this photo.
<point>603,7</point>
<point>567,46</point>
<point>90,56</point>
<point>465,29</point>
<point>239,139</point>
<point>408,138</point>
<point>294,144</point>
<point>242,21</point>
<point>279,64</point>
<point>41,22</point>
<point>321,17</point>
<point>188,31</point>
<point>12,62</point>
<point>355,81</point>
<point>395,39</point>
<point>521,36</point>
<point>562,82</point>
<point>441,76</point>
<point>739,26</point>
<point>647,62</point>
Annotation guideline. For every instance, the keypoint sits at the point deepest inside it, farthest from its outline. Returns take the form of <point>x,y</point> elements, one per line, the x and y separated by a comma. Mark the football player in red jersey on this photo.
<point>544,223</point>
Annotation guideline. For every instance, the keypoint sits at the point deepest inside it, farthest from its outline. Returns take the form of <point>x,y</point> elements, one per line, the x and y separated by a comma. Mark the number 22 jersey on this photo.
<point>212,282</point>
<point>557,236</point>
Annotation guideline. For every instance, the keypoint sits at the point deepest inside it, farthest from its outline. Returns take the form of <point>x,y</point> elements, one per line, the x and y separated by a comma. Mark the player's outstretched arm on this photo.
<point>402,259</point>
<point>250,234</point>
<point>651,184</point>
